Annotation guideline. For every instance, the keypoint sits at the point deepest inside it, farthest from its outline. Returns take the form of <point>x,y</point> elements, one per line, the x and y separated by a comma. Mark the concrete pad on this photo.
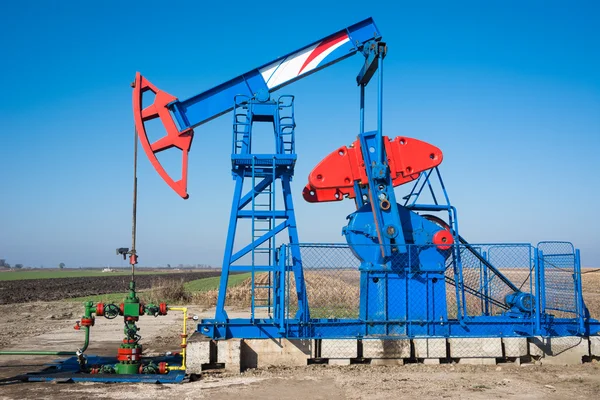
<point>197,353</point>
<point>339,361</point>
<point>595,346</point>
<point>229,353</point>
<point>387,361</point>
<point>375,348</point>
<point>260,353</point>
<point>536,346</point>
<point>477,361</point>
<point>431,361</point>
<point>430,348</point>
<point>515,347</point>
<point>475,348</point>
<point>517,361</point>
<point>339,348</point>
<point>565,350</point>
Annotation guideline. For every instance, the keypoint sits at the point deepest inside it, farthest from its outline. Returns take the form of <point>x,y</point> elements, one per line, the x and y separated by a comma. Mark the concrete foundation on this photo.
<point>238,355</point>
<point>339,348</point>
<point>594,346</point>
<point>260,353</point>
<point>373,348</point>
<point>560,350</point>
<point>387,361</point>
<point>515,347</point>
<point>339,361</point>
<point>229,353</point>
<point>430,348</point>
<point>475,348</point>
<point>198,353</point>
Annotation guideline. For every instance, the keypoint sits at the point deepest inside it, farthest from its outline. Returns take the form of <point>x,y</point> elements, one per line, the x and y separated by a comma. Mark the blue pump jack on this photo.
<point>418,276</point>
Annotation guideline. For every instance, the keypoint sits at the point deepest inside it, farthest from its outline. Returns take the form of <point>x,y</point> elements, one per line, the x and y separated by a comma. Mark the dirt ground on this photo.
<point>28,290</point>
<point>49,326</point>
<point>349,382</point>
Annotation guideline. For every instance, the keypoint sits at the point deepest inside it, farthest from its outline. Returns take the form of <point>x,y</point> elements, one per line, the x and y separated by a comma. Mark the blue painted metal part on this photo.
<point>259,205</point>
<point>482,326</point>
<point>421,321</point>
<point>404,278</point>
<point>68,370</point>
<point>274,75</point>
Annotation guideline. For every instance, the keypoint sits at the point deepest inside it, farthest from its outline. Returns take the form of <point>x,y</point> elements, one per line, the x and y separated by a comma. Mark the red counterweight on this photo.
<point>174,138</point>
<point>333,178</point>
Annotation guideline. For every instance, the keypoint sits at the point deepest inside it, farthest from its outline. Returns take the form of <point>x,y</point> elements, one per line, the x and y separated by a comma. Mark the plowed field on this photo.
<point>21,291</point>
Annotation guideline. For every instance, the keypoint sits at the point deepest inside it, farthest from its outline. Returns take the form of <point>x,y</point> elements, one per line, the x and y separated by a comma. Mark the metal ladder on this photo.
<point>270,215</point>
<point>286,124</point>
<point>262,222</point>
<point>241,125</point>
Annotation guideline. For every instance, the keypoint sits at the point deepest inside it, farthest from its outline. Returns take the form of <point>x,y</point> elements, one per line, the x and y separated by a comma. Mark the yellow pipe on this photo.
<point>183,337</point>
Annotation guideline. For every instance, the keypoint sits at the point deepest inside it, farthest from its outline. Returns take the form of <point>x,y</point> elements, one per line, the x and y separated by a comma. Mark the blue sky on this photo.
<point>509,90</point>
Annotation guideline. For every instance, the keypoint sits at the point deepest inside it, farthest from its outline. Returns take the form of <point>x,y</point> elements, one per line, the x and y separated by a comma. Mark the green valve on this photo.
<point>127,368</point>
<point>131,309</point>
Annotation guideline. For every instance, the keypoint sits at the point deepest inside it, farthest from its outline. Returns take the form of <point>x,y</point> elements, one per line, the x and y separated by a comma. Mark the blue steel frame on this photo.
<point>379,188</point>
<point>538,323</point>
<point>509,324</point>
<point>264,170</point>
<point>217,101</point>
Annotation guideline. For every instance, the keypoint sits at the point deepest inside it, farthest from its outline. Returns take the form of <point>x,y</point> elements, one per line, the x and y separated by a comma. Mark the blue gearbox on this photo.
<point>416,231</point>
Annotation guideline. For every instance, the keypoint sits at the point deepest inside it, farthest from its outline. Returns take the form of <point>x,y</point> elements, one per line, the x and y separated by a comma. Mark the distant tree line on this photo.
<point>5,265</point>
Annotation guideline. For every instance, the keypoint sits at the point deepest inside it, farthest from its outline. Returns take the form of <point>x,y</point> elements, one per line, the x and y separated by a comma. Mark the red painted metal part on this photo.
<point>100,309</point>
<point>443,239</point>
<point>162,309</point>
<point>333,178</point>
<point>174,138</point>
<point>163,368</point>
<point>129,354</point>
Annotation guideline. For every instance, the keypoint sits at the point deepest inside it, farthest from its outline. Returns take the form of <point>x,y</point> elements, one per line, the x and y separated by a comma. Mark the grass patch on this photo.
<point>65,273</point>
<point>103,298</point>
<point>163,291</point>
<point>206,284</point>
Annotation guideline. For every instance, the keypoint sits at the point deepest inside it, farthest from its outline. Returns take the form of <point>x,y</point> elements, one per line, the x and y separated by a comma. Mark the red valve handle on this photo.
<point>174,138</point>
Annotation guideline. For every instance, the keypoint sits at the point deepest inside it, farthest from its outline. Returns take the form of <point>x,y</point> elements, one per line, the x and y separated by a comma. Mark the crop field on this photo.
<point>70,273</point>
<point>48,289</point>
